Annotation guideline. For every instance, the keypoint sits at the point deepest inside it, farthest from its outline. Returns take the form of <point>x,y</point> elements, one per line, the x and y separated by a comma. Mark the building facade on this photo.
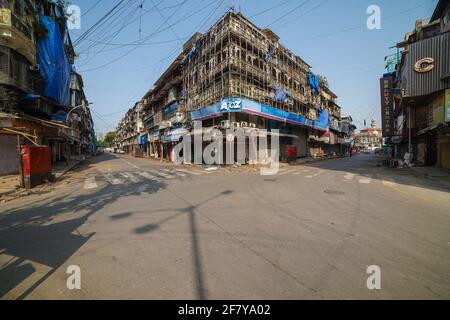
<point>416,95</point>
<point>42,99</point>
<point>238,76</point>
<point>369,138</point>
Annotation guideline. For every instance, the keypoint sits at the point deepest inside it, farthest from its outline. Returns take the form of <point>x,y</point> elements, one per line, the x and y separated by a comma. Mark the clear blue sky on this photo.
<point>330,35</point>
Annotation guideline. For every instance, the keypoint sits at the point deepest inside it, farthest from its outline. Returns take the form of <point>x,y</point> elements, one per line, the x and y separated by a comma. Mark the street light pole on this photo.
<point>73,109</point>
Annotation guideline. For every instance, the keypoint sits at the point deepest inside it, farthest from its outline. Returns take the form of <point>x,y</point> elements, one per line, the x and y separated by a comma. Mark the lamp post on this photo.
<point>73,109</point>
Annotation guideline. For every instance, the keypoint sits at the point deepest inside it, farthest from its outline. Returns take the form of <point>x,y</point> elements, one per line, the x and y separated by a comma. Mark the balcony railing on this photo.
<point>12,20</point>
<point>20,25</point>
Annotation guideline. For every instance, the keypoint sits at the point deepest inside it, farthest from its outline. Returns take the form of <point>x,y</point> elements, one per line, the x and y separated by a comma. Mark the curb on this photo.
<point>21,193</point>
<point>67,170</point>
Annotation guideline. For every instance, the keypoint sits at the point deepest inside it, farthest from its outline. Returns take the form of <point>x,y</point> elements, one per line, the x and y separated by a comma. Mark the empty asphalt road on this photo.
<point>138,229</point>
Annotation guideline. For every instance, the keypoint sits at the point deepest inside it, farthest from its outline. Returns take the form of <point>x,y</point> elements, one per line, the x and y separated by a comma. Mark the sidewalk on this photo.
<point>431,172</point>
<point>308,160</point>
<point>9,185</point>
<point>61,168</point>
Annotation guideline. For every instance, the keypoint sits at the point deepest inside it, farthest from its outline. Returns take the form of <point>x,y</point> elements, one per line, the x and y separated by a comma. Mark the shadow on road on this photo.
<point>191,211</point>
<point>47,232</point>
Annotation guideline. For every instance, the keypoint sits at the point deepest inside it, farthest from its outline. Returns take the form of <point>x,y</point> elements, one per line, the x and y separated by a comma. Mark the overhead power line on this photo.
<point>359,26</point>
<point>270,9</point>
<point>302,15</point>
<point>90,30</point>
<point>289,12</point>
<point>159,30</point>
<point>91,8</point>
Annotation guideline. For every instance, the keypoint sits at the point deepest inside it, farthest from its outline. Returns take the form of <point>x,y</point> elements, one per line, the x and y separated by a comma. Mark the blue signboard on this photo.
<point>144,139</point>
<point>258,109</point>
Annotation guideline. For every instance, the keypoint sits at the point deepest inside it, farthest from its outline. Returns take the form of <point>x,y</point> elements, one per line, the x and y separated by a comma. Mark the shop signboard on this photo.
<point>387,105</point>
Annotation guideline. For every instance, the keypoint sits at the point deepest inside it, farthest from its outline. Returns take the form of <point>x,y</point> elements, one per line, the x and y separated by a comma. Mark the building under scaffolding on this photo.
<point>239,76</point>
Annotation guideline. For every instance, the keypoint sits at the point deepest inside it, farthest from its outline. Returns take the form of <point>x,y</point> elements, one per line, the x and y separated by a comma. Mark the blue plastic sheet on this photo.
<point>53,63</point>
<point>324,117</point>
<point>314,82</point>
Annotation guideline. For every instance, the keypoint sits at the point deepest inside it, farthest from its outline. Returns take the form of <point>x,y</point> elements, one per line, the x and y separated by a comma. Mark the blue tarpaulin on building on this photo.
<point>324,117</point>
<point>53,63</point>
<point>314,82</point>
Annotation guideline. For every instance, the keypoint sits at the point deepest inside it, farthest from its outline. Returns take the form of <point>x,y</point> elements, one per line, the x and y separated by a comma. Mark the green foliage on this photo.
<point>323,81</point>
<point>109,138</point>
<point>103,144</point>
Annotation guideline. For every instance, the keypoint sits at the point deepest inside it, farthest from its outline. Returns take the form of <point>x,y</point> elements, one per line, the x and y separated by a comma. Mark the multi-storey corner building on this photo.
<point>239,76</point>
<point>42,98</point>
<point>369,138</point>
<point>416,95</point>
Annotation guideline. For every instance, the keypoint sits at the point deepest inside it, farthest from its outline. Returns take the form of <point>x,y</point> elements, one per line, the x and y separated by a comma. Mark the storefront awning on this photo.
<point>255,108</point>
<point>426,130</point>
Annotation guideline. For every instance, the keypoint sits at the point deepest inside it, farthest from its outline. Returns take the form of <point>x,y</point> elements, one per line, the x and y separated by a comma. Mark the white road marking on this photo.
<point>315,175</point>
<point>90,183</point>
<point>389,182</point>
<point>130,176</point>
<point>161,174</point>
<point>365,180</point>
<point>285,172</point>
<point>297,173</point>
<point>171,172</point>
<point>195,173</point>
<point>148,176</point>
<point>112,180</point>
<point>349,176</point>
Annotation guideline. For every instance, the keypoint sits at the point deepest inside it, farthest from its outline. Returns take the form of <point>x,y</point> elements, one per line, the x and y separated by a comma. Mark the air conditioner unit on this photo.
<point>244,124</point>
<point>225,124</point>
<point>252,125</point>
<point>235,125</point>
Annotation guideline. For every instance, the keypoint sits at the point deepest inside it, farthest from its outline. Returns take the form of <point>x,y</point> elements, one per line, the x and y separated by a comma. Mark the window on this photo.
<point>4,61</point>
<point>18,8</point>
<point>446,20</point>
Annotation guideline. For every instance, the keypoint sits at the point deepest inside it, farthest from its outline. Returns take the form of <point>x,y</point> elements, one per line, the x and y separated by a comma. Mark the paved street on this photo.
<point>139,229</point>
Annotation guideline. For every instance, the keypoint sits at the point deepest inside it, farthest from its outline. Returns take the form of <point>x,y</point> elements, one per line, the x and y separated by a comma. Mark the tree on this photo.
<point>323,81</point>
<point>109,138</point>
